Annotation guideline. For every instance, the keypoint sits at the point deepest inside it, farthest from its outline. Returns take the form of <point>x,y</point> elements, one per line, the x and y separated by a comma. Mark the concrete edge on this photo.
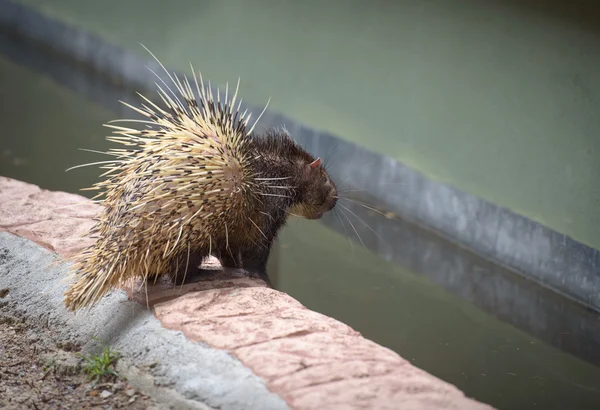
<point>526,247</point>
<point>307,359</point>
<point>155,360</point>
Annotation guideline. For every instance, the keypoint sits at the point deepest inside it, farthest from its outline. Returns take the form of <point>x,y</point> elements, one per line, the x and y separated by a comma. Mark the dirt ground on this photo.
<point>39,372</point>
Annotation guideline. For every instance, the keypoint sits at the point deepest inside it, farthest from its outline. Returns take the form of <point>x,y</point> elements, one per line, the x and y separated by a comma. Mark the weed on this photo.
<point>50,364</point>
<point>102,365</point>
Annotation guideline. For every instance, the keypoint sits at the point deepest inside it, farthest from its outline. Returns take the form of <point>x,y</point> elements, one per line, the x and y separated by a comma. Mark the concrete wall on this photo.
<point>497,98</point>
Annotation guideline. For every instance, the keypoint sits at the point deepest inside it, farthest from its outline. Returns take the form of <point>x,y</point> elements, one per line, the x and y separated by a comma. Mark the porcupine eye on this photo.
<point>324,179</point>
<point>323,187</point>
<point>330,191</point>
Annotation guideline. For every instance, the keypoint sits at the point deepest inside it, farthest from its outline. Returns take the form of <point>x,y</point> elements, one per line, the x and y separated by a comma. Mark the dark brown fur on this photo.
<point>304,189</point>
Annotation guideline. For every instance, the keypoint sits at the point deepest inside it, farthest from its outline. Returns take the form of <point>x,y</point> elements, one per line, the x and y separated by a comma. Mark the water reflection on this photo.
<point>528,306</point>
<point>499,338</point>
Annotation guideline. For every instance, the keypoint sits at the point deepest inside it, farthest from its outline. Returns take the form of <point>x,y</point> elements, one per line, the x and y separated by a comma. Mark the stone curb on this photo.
<point>156,360</point>
<point>307,359</point>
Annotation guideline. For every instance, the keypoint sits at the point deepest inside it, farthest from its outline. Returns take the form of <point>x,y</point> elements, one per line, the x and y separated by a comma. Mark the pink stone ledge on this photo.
<point>312,361</point>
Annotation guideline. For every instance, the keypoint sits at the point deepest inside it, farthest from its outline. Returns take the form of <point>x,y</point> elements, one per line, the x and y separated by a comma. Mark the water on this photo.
<point>499,338</point>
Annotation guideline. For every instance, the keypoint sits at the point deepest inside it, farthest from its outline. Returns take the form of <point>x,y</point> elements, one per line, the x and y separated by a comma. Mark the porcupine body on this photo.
<point>194,183</point>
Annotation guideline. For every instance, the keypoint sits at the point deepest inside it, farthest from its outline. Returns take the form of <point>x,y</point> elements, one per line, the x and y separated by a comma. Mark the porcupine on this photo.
<point>195,183</point>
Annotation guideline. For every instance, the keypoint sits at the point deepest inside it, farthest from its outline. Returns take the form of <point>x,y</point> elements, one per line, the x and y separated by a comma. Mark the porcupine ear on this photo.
<point>315,164</point>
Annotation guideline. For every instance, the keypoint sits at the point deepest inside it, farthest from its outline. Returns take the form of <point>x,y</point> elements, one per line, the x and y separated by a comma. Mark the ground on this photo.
<point>37,371</point>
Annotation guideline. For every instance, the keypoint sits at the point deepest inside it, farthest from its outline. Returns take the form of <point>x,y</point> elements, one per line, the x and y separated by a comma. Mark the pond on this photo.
<point>499,338</point>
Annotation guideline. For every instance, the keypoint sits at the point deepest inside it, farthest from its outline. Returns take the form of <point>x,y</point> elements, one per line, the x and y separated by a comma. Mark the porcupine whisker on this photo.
<point>335,212</point>
<point>361,220</point>
<point>350,190</point>
<point>362,190</point>
<point>353,227</point>
<point>290,213</point>
<point>344,180</point>
<point>358,189</point>
<point>365,206</point>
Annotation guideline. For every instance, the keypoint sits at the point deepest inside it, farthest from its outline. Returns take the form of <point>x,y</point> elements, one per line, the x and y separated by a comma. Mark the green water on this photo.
<point>436,331</point>
<point>488,359</point>
<point>498,98</point>
<point>43,126</point>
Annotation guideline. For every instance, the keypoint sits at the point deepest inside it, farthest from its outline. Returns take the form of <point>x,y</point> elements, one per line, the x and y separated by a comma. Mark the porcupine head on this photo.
<point>192,182</point>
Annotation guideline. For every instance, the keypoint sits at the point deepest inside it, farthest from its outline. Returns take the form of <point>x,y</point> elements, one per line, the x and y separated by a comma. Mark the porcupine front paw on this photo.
<point>230,265</point>
<point>260,272</point>
<point>246,273</point>
<point>235,272</point>
<point>254,264</point>
<point>262,275</point>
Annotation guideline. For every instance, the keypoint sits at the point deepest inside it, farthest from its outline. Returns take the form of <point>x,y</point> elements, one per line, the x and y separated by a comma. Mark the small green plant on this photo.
<point>102,365</point>
<point>50,364</point>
